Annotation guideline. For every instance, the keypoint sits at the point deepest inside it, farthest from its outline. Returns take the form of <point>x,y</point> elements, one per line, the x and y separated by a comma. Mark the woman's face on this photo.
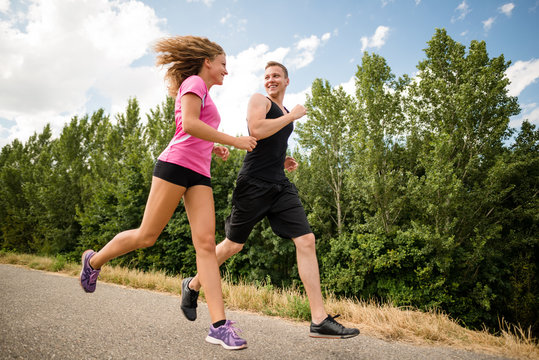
<point>218,69</point>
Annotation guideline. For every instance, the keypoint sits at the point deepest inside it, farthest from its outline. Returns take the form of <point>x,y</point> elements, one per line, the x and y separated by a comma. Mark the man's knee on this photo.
<point>305,242</point>
<point>231,247</point>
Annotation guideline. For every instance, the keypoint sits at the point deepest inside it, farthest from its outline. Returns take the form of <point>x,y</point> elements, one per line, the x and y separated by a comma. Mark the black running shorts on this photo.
<point>254,199</point>
<point>179,175</point>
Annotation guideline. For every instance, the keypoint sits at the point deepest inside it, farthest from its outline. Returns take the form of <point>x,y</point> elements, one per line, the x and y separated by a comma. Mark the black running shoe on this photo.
<point>331,329</point>
<point>189,300</point>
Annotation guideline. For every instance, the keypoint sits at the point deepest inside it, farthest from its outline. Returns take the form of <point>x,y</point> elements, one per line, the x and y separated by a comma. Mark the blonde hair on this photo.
<point>275,63</point>
<point>185,55</point>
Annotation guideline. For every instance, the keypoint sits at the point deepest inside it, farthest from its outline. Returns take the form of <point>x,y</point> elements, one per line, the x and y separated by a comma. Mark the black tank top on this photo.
<point>266,161</point>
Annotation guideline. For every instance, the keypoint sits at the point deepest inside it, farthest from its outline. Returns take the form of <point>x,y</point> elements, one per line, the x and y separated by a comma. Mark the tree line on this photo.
<point>418,191</point>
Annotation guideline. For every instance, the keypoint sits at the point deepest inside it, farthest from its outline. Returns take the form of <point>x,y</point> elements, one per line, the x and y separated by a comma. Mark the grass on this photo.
<point>383,321</point>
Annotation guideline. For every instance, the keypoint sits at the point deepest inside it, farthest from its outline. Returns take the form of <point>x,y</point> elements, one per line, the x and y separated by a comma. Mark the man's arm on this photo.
<point>259,126</point>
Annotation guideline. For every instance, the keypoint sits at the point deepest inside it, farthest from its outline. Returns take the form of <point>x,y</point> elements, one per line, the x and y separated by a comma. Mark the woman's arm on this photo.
<point>192,125</point>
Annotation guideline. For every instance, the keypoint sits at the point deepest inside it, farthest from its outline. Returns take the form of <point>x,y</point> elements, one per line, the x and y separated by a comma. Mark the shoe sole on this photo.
<point>81,271</point>
<point>324,336</point>
<point>215,341</point>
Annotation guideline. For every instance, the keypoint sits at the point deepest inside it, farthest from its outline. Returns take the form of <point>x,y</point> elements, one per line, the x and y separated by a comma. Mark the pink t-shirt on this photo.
<point>186,150</point>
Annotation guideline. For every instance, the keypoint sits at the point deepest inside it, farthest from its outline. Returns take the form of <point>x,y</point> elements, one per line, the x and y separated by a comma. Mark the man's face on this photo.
<point>275,81</point>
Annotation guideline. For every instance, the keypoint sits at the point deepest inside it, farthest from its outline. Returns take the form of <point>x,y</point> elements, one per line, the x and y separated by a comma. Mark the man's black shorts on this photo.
<point>253,199</point>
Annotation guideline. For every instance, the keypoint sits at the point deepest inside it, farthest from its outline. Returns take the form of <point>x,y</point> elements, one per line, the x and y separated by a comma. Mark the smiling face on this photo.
<point>275,81</point>
<point>217,69</point>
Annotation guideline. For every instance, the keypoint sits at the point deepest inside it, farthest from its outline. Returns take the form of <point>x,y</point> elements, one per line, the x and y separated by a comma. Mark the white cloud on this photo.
<point>532,115</point>
<point>377,40</point>
<point>208,3</point>
<point>225,18</point>
<point>417,2</point>
<point>305,49</point>
<point>521,74</point>
<point>350,86</point>
<point>4,6</point>
<point>463,9</point>
<point>68,54</point>
<point>529,112</point>
<point>507,8</point>
<point>69,50</point>
<point>235,24</point>
<point>487,24</point>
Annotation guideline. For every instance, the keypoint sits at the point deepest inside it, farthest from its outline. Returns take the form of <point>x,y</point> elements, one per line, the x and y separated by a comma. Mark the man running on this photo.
<point>263,190</point>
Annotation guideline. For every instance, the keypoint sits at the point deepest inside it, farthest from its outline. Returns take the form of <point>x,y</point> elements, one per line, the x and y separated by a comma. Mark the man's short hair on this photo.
<point>275,63</point>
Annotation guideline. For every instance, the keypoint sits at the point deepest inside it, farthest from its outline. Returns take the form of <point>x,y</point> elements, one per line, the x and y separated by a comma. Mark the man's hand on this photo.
<point>298,111</point>
<point>290,164</point>
<point>221,151</point>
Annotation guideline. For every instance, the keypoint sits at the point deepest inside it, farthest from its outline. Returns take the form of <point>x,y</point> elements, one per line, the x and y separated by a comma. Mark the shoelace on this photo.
<point>234,330</point>
<point>332,319</point>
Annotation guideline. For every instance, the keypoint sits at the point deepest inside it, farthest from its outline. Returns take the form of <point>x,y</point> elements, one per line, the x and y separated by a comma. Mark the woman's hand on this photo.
<point>245,143</point>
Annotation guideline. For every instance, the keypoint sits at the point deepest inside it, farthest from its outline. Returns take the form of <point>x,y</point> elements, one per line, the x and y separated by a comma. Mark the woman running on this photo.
<point>194,64</point>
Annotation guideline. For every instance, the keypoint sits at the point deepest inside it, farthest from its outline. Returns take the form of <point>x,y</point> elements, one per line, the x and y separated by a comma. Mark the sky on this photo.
<point>66,58</point>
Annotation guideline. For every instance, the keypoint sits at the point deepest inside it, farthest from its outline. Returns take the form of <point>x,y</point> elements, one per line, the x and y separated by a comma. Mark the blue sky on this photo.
<point>61,58</point>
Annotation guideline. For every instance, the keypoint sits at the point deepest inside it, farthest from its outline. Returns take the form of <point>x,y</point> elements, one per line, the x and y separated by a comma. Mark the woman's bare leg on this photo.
<point>201,213</point>
<point>224,250</point>
<point>162,202</point>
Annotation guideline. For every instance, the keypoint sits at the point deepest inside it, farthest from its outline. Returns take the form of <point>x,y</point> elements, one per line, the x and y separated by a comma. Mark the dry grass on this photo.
<point>379,320</point>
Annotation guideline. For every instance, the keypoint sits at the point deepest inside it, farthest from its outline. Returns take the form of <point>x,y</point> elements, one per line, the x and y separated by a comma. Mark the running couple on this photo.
<point>195,64</point>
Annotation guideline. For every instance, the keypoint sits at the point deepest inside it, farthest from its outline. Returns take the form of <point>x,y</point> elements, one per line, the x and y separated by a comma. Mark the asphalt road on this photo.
<point>48,316</point>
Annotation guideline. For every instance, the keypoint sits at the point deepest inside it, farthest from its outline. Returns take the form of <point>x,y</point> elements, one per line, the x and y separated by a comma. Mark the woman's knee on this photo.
<point>146,239</point>
<point>204,244</point>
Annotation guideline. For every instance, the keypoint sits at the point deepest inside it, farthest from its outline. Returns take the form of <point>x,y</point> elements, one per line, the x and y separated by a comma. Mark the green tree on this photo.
<point>326,137</point>
<point>35,168</point>
<point>15,228</point>
<point>514,207</point>
<point>460,110</point>
<point>371,259</point>
<point>121,176</point>
<point>379,165</point>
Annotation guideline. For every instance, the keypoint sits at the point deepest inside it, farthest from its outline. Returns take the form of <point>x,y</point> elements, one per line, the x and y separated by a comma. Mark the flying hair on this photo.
<point>184,56</point>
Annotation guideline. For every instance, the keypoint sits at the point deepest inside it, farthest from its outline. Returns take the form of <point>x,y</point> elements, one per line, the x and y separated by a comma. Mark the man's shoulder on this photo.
<point>259,97</point>
<point>259,100</point>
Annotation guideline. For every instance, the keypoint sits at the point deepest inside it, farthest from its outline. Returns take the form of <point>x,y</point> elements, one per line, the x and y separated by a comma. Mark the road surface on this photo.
<point>48,316</point>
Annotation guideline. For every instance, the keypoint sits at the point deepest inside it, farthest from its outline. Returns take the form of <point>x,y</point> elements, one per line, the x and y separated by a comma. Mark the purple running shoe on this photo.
<point>88,276</point>
<point>226,336</point>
